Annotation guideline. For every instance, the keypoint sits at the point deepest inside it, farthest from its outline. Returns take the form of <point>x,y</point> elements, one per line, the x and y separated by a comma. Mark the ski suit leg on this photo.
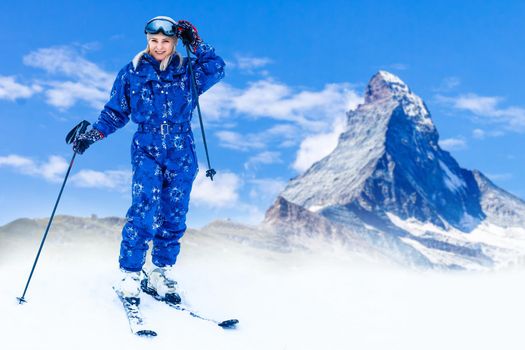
<point>181,170</point>
<point>143,217</point>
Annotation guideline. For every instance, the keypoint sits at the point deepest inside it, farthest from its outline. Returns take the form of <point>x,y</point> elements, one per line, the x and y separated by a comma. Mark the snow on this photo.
<point>412,225</point>
<point>316,208</point>
<point>453,182</point>
<point>327,299</point>
<point>391,78</point>
<point>440,257</point>
<point>385,85</point>
<point>506,246</point>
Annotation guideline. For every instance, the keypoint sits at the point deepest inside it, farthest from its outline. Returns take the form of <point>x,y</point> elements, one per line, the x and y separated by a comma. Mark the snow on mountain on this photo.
<point>502,208</point>
<point>387,164</point>
<point>303,229</point>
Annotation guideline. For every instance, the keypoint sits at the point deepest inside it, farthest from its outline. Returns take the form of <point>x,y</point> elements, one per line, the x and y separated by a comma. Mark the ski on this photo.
<point>136,321</point>
<point>174,302</point>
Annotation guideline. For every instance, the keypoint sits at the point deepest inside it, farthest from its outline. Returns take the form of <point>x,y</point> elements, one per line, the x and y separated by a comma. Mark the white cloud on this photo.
<point>266,157</point>
<point>314,117</point>
<point>67,61</point>
<point>217,102</point>
<point>317,146</point>
<point>250,214</point>
<point>279,135</point>
<point>110,179</point>
<point>481,134</point>
<point>66,94</point>
<point>481,105</point>
<point>11,90</point>
<point>478,134</point>
<point>307,108</point>
<point>223,195</point>
<point>282,130</point>
<point>249,63</point>
<point>268,99</point>
<point>266,189</point>
<point>52,170</point>
<point>85,81</point>
<point>222,192</point>
<point>448,84</point>
<point>16,161</point>
<point>265,98</point>
<point>488,108</point>
<point>453,144</point>
<point>287,133</point>
<point>240,142</point>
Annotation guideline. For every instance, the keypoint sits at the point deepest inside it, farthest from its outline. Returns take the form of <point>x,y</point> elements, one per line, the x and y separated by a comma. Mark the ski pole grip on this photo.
<point>210,173</point>
<point>79,129</point>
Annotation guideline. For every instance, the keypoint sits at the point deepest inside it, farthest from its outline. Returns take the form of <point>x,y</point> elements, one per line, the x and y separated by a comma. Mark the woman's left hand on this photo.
<point>188,33</point>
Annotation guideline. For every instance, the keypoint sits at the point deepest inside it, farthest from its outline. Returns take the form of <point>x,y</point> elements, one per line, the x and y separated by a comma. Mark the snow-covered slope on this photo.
<point>501,208</point>
<point>388,163</point>
<point>326,298</point>
<point>301,228</point>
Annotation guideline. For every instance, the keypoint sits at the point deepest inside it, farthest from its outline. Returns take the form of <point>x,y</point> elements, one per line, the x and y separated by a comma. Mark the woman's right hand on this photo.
<point>83,141</point>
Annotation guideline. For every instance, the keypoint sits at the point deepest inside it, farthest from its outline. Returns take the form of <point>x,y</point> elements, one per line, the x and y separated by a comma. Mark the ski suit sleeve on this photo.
<point>115,113</point>
<point>208,67</point>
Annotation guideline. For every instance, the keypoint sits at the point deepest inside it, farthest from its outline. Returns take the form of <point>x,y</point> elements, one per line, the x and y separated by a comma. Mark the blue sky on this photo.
<point>293,69</point>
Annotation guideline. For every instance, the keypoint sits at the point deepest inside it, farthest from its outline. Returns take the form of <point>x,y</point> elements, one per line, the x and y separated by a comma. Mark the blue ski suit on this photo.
<point>163,154</point>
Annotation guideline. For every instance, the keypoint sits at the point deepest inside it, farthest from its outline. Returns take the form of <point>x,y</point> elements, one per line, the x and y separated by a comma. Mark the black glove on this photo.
<point>83,141</point>
<point>188,34</point>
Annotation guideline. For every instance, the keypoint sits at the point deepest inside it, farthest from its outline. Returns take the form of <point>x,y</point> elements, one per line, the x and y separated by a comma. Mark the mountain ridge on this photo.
<point>388,163</point>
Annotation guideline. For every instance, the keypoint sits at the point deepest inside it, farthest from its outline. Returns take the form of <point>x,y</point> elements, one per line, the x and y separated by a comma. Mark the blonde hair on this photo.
<point>165,62</point>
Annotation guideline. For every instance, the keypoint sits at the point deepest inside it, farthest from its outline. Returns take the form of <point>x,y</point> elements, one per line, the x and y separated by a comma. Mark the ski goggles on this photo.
<point>156,26</point>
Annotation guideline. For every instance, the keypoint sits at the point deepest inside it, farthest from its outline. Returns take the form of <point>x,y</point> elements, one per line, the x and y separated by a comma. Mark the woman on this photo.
<point>155,90</point>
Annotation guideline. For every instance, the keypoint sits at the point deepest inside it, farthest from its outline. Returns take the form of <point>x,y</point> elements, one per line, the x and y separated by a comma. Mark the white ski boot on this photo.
<point>161,282</point>
<point>128,285</point>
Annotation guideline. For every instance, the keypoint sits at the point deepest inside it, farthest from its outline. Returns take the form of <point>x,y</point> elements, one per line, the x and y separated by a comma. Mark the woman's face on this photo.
<point>160,46</point>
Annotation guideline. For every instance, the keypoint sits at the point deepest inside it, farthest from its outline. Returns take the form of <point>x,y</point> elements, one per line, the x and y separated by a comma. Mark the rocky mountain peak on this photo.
<point>389,161</point>
<point>384,85</point>
<point>385,91</point>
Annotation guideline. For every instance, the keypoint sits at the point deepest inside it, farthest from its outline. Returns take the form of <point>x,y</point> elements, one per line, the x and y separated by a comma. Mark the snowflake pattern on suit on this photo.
<point>164,164</point>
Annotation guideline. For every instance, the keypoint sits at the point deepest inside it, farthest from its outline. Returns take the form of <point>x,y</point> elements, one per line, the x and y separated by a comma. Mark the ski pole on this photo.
<point>77,130</point>
<point>210,172</point>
